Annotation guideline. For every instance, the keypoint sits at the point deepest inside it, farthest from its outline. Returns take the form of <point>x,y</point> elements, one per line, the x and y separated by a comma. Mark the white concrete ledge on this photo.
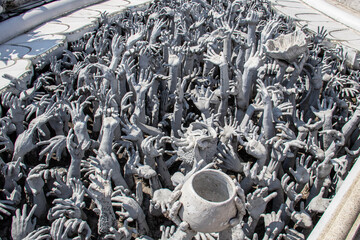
<point>32,18</point>
<point>335,13</point>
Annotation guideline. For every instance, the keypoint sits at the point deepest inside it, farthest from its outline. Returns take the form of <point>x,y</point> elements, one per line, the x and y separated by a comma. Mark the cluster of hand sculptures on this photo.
<point>224,101</point>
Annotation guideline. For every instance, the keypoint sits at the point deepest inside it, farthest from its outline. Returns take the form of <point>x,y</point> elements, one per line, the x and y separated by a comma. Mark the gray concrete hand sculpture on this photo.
<point>184,120</point>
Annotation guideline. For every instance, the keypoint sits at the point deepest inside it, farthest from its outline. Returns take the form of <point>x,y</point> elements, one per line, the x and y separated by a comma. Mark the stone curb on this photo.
<point>34,17</point>
<point>335,13</point>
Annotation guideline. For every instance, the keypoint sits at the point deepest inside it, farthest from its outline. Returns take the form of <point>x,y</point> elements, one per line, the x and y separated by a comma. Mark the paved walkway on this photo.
<point>19,55</point>
<point>342,27</point>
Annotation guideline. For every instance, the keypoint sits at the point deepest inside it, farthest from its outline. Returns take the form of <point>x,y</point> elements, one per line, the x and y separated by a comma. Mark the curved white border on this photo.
<point>335,13</point>
<point>30,19</point>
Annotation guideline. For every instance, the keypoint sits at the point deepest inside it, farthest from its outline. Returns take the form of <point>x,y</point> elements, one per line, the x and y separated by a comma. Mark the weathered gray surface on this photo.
<point>353,4</point>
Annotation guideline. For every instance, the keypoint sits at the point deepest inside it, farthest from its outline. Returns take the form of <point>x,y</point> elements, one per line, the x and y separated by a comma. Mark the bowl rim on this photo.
<point>228,180</point>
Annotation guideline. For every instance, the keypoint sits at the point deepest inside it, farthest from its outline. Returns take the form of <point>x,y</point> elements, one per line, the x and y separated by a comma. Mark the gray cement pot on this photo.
<point>208,201</point>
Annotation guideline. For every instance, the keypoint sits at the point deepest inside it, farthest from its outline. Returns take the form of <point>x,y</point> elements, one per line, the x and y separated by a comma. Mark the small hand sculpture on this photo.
<point>144,171</point>
<point>325,111</point>
<point>25,141</point>
<point>77,154</point>
<point>123,233</point>
<point>78,227</point>
<point>160,200</point>
<point>100,191</point>
<point>79,119</point>
<point>319,204</point>
<point>202,99</point>
<point>133,132</point>
<point>289,189</point>
<point>16,113</point>
<point>303,171</point>
<point>229,130</point>
<point>183,232</point>
<point>40,233</point>
<point>146,79</point>
<point>6,127</point>
<point>291,234</point>
<point>58,186</point>
<point>58,231</point>
<point>273,223</point>
<point>151,147</point>
<point>12,172</point>
<point>55,145</point>
<point>323,169</point>
<point>254,145</point>
<point>70,208</point>
<point>167,232</point>
<point>22,223</point>
<point>301,218</point>
<point>159,23</point>
<point>35,178</point>
<point>257,201</point>
<point>131,209</point>
<point>5,208</point>
<point>229,158</point>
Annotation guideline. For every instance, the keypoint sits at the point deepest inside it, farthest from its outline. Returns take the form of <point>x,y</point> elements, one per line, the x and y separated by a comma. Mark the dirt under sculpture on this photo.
<point>187,120</point>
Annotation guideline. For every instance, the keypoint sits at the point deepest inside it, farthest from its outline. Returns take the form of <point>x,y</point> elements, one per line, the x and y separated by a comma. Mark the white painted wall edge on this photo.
<point>335,13</point>
<point>26,21</point>
<point>328,219</point>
